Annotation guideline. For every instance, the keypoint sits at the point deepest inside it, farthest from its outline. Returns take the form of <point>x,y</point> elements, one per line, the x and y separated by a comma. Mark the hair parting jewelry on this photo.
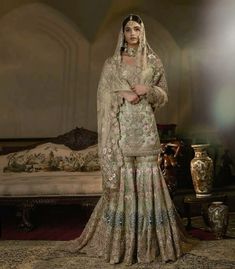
<point>131,17</point>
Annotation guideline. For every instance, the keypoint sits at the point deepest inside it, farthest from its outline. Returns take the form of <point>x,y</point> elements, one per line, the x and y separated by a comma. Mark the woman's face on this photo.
<point>132,33</point>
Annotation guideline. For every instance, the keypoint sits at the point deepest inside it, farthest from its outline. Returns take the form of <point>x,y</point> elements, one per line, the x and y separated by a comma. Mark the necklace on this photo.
<point>131,51</point>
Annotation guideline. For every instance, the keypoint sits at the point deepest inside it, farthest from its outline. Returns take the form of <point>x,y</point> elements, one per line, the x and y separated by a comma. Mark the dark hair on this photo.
<point>131,17</point>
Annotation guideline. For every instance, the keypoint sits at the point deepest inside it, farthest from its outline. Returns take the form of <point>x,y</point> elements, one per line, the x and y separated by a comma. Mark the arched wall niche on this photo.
<point>43,73</point>
<point>49,72</point>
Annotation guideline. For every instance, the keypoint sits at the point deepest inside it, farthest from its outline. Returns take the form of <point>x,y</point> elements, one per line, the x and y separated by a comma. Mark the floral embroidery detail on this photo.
<point>165,216</point>
<point>137,123</point>
<point>52,157</point>
<point>135,219</point>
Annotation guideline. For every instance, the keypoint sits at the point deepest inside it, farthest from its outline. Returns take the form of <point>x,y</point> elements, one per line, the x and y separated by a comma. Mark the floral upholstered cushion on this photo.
<point>53,157</point>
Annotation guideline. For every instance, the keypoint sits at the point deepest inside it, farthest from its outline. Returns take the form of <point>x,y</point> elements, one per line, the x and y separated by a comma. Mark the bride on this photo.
<point>135,219</point>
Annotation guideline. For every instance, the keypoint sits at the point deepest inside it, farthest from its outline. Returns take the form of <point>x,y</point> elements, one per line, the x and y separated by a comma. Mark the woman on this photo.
<point>135,219</point>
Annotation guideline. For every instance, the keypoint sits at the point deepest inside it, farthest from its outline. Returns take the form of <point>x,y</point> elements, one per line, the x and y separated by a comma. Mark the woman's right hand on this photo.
<point>131,97</point>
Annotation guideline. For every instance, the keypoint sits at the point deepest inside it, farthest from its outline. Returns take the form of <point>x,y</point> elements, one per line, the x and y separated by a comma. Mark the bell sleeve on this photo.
<point>157,94</point>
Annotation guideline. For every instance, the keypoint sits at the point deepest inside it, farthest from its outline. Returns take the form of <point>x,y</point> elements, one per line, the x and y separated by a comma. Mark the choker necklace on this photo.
<point>131,51</point>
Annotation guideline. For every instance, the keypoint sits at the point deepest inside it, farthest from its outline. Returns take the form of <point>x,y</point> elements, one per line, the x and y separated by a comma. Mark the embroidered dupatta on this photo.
<point>109,102</point>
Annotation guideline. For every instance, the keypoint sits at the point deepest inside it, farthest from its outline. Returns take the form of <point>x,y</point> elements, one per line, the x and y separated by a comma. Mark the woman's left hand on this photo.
<point>140,89</point>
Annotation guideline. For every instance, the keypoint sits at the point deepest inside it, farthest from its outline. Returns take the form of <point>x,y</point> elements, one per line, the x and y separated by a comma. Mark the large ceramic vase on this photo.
<point>218,215</point>
<point>202,171</point>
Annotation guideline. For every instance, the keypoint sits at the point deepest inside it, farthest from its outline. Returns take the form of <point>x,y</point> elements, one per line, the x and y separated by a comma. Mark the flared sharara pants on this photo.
<point>136,223</point>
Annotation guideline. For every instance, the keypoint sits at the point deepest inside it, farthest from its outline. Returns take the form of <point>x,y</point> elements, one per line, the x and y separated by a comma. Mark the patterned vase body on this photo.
<point>218,218</point>
<point>202,171</point>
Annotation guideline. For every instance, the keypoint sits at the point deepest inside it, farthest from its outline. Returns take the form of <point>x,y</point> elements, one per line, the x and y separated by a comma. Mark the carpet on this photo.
<point>42,255</point>
<point>51,223</point>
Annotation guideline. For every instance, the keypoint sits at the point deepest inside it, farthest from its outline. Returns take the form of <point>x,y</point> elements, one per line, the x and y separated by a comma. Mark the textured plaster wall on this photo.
<point>52,52</point>
<point>43,73</point>
<point>49,73</point>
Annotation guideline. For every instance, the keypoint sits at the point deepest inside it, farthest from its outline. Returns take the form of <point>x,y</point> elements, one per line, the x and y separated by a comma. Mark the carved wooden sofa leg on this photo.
<point>24,213</point>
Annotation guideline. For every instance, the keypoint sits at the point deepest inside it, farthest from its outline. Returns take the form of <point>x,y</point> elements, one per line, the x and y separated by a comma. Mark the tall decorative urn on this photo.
<point>218,218</point>
<point>202,171</point>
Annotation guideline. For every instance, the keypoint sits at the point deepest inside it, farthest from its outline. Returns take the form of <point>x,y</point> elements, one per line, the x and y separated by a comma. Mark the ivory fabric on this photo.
<point>115,78</point>
<point>137,223</point>
<point>138,128</point>
<point>135,219</point>
<point>46,184</point>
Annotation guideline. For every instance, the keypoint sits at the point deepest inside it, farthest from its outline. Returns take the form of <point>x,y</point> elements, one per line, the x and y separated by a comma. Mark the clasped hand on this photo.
<point>138,90</point>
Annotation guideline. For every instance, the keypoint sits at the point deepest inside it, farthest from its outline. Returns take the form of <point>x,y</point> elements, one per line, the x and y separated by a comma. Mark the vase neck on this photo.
<point>200,153</point>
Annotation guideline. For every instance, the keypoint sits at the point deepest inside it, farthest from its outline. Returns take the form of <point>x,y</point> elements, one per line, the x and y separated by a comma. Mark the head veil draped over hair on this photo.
<point>109,101</point>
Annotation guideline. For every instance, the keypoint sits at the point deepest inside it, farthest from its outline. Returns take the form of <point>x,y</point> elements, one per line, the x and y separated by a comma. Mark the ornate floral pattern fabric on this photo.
<point>135,219</point>
<point>138,129</point>
<point>52,157</point>
<point>138,223</point>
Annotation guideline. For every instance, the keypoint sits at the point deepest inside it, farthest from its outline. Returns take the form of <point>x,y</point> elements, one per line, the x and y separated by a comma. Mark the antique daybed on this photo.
<point>61,170</point>
<point>51,173</point>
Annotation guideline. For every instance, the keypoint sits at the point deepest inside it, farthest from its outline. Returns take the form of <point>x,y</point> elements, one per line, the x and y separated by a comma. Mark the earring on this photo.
<point>125,46</point>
